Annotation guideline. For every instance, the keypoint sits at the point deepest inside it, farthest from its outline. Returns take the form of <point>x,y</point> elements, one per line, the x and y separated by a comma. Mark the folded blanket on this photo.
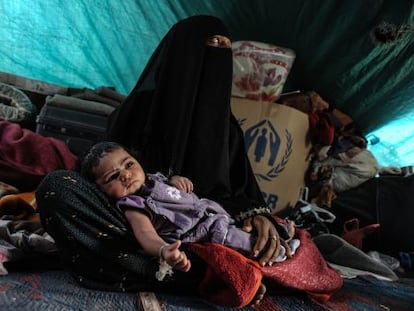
<point>26,157</point>
<point>110,93</point>
<point>307,271</point>
<point>101,94</point>
<point>232,280</point>
<point>75,103</point>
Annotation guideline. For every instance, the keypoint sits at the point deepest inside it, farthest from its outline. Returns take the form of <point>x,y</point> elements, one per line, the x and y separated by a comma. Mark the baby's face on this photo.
<point>119,174</point>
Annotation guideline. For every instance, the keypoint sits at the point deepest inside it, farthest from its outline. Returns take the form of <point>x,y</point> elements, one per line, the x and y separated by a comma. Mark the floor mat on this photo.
<point>56,290</point>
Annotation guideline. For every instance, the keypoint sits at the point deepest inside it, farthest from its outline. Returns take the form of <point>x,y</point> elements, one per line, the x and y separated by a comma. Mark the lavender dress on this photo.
<point>179,215</point>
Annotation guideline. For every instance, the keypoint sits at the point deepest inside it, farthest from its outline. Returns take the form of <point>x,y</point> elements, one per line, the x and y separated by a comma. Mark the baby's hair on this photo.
<point>92,157</point>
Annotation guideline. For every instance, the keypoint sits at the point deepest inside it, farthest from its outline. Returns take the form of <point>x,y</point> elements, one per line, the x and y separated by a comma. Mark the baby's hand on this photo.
<point>182,183</point>
<point>176,258</point>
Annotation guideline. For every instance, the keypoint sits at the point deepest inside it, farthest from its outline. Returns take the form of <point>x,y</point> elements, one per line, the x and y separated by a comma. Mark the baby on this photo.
<point>164,212</point>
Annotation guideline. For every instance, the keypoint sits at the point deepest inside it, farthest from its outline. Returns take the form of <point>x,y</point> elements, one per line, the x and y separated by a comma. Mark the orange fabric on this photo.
<point>20,206</point>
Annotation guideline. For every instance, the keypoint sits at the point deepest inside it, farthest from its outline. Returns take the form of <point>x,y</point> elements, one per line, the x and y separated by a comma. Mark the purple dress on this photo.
<point>177,215</point>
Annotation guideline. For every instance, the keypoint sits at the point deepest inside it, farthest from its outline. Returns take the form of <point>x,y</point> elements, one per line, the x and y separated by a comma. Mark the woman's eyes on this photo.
<point>129,164</point>
<point>219,41</point>
<point>213,41</point>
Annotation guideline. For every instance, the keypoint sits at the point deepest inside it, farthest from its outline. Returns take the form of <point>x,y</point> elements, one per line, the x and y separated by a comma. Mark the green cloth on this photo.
<point>92,43</point>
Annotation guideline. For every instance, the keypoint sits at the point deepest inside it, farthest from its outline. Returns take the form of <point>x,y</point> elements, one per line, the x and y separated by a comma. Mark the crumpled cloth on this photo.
<point>232,279</point>
<point>18,241</point>
<point>26,157</point>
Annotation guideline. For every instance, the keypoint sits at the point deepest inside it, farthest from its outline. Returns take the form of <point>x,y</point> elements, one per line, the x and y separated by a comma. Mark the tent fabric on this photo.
<point>393,143</point>
<point>357,54</point>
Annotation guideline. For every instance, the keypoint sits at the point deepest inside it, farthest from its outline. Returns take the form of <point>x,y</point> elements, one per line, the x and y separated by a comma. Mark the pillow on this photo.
<point>15,106</point>
<point>260,70</point>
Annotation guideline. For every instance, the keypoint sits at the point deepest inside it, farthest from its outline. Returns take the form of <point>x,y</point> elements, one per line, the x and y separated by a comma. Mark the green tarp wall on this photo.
<point>358,54</point>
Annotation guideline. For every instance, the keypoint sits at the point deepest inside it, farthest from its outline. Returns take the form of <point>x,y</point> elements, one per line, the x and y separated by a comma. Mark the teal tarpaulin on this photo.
<point>359,55</point>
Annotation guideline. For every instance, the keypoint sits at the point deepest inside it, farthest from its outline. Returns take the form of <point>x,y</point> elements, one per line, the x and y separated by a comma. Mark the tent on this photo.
<point>359,55</point>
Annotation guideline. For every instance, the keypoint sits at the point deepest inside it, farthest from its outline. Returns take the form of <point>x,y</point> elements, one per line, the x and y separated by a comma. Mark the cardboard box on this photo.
<point>277,144</point>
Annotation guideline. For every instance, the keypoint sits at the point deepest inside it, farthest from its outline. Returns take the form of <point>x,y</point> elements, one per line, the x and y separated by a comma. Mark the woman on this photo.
<point>179,122</point>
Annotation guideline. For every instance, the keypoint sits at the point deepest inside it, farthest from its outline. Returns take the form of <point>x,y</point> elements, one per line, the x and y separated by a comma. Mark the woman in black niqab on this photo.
<point>178,117</point>
<point>178,120</point>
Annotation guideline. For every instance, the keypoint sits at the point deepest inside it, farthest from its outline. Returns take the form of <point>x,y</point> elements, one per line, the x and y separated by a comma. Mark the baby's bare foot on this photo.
<point>259,295</point>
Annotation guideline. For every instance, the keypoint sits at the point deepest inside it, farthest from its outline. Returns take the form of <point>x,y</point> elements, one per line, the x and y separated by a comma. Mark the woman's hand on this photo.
<point>176,258</point>
<point>182,183</point>
<point>268,241</point>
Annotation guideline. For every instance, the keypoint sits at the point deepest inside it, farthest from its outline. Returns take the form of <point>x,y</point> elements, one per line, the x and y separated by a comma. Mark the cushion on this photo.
<point>15,106</point>
<point>260,70</point>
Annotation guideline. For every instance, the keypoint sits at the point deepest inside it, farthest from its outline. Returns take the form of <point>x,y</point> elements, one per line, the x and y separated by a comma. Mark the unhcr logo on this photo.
<point>264,144</point>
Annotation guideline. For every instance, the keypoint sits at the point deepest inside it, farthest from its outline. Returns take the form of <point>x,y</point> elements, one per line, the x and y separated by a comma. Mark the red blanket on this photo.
<point>232,280</point>
<point>306,271</point>
<point>26,157</point>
